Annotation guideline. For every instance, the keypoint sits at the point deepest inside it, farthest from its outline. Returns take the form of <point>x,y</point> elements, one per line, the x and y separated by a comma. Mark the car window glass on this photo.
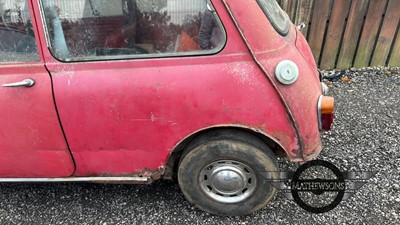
<point>276,15</point>
<point>17,39</point>
<point>106,29</point>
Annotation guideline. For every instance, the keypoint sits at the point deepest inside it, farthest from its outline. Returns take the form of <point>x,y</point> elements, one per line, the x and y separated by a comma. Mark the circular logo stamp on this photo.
<point>318,186</point>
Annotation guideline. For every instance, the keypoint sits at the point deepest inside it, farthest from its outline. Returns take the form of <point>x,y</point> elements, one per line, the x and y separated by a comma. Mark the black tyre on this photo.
<point>220,173</point>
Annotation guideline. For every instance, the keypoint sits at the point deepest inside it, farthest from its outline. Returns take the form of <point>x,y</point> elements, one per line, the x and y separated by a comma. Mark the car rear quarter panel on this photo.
<point>269,48</point>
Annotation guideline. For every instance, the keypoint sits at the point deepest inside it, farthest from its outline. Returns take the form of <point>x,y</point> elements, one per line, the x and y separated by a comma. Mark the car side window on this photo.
<point>17,39</point>
<point>81,30</point>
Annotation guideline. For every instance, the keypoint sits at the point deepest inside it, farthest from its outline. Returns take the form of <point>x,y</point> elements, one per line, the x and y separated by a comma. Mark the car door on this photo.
<point>120,71</point>
<point>32,144</point>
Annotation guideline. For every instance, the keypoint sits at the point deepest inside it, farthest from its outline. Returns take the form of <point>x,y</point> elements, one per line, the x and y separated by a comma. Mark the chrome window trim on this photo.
<point>44,22</point>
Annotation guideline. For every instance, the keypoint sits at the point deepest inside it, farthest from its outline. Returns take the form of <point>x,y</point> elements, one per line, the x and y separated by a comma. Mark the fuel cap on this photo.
<point>287,72</point>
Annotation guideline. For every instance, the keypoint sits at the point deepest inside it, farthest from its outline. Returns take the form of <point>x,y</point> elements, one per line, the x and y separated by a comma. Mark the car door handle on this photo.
<point>25,83</point>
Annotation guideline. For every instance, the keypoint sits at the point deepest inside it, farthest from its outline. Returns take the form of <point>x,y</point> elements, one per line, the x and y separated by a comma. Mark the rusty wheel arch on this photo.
<point>175,156</point>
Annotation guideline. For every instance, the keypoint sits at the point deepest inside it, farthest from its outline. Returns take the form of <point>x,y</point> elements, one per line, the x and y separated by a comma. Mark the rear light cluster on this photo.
<point>326,112</point>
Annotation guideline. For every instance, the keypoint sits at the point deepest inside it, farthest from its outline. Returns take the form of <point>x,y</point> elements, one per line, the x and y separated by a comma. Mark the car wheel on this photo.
<point>221,174</point>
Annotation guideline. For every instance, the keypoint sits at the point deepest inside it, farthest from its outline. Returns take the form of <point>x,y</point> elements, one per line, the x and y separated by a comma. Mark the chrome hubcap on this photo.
<point>228,181</point>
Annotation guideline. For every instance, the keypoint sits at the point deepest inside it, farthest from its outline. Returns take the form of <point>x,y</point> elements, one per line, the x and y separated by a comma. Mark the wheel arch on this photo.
<point>175,155</point>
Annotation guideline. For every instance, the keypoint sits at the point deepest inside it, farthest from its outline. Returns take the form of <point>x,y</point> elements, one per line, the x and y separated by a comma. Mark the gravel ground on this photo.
<point>366,136</point>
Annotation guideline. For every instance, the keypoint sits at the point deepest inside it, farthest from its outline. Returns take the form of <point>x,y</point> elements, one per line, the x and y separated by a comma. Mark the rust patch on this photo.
<point>314,153</point>
<point>151,174</point>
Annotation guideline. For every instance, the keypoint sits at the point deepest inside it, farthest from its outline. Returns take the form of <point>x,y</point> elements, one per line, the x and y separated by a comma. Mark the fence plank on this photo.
<point>352,33</point>
<point>318,26</point>
<point>368,36</point>
<point>370,32</point>
<point>395,57</point>
<point>387,34</point>
<point>333,37</point>
<point>290,7</point>
<point>303,15</point>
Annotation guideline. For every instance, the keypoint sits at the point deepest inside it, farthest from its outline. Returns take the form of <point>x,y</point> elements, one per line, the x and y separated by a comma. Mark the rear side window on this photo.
<point>79,30</point>
<point>278,18</point>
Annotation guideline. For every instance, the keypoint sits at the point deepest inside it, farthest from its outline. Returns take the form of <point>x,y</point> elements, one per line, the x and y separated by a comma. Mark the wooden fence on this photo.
<point>349,33</point>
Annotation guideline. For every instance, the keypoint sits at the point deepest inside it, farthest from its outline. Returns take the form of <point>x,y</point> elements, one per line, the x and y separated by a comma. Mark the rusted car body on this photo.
<point>89,106</point>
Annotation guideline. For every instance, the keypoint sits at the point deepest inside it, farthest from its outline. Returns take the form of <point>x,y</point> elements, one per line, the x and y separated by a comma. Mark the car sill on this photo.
<point>77,179</point>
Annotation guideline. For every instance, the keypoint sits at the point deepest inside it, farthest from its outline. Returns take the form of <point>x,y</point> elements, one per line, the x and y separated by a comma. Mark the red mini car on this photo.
<point>138,90</point>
